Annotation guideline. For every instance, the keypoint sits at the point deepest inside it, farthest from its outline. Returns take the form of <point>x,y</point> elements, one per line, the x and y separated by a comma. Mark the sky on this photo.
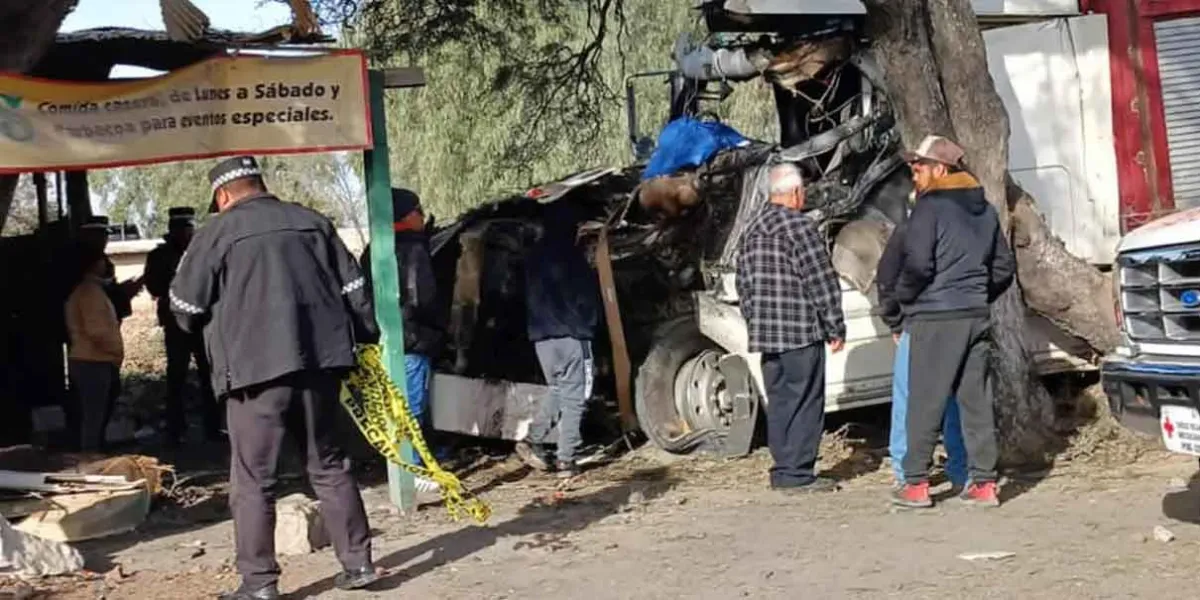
<point>236,15</point>
<point>243,15</point>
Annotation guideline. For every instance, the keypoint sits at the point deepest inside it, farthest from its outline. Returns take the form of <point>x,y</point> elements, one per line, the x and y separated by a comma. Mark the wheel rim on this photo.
<point>701,395</point>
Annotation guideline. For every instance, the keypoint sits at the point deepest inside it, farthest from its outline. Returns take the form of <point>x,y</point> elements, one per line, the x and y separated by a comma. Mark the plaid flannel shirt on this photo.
<point>789,293</point>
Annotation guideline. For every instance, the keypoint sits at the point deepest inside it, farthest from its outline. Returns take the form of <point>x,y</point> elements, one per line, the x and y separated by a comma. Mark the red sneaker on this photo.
<point>912,495</point>
<point>985,494</point>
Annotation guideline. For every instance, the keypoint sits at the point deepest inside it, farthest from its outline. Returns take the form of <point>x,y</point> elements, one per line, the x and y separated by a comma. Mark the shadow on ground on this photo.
<point>547,521</point>
<point>1184,505</point>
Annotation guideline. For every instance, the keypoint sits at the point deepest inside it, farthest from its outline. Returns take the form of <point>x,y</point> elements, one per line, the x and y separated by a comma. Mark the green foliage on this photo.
<point>142,195</point>
<point>519,92</point>
<point>452,141</point>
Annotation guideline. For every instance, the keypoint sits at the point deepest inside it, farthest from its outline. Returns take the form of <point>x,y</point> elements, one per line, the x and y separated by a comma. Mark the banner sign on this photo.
<point>222,106</point>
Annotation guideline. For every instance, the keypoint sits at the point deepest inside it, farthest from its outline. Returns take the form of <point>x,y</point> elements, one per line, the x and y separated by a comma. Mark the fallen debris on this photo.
<point>299,528</point>
<point>197,548</point>
<point>115,575</point>
<point>63,483</point>
<point>1163,534</point>
<point>986,556</point>
<point>89,515</point>
<point>31,556</point>
<point>133,468</point>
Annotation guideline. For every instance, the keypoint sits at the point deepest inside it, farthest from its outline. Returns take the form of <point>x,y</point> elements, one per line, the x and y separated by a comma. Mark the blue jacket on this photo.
<point>562,296</point>
<point>956,258</point>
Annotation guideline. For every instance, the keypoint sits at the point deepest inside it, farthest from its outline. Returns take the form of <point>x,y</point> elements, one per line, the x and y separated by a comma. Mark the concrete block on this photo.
<point>31,556</point>
<point>89,515</point>
<point>299,528</point>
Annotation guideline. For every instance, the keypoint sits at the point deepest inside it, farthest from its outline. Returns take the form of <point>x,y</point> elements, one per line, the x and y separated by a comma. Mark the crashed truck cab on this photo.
<point>673,352</point>
<point>1153,378</point>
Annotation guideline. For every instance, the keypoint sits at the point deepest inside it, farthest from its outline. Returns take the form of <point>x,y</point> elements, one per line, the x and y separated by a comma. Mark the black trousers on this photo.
<point>181,347</point>
<point>304,404</point>
<point>949,358</point>
<point>795,382</point>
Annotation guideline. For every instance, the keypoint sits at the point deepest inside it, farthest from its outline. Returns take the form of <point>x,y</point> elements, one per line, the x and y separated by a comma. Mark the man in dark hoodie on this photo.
<point>562,299</point>
<point>956,263</point>
<point>892,314</point>
<point>423,317</point>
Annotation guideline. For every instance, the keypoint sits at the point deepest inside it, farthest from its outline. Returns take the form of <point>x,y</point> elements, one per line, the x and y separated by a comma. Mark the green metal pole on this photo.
<point>386,279</point>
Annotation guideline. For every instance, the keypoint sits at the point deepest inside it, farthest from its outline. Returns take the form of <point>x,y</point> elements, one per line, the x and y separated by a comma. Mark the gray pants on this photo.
<point>96,386</point>
<point>567,364</point>
<point>949,358</point>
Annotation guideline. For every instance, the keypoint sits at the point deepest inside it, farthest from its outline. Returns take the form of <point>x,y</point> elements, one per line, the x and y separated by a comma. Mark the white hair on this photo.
<point>785,178</point>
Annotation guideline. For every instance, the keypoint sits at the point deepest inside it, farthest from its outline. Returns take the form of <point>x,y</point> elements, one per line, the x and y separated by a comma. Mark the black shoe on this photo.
<point>268,592</point>
<point>356,579</point>
<point>566,469</point>
<point>816,486</point>
<point>533,455</point>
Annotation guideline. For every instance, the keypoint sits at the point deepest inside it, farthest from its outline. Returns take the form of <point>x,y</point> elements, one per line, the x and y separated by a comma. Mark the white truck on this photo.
<point>1153,378</point>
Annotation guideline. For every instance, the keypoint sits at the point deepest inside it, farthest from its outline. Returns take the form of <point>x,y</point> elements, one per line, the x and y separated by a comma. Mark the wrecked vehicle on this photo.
<point>664,234</point>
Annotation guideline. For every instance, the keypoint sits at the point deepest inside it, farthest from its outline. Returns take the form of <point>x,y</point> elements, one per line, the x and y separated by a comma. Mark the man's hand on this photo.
<point>837,345</point>
<point>131,287</point>
<point>896,338</point>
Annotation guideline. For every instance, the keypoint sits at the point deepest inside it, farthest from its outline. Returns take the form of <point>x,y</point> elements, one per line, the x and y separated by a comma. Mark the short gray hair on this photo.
<point>785,178</point>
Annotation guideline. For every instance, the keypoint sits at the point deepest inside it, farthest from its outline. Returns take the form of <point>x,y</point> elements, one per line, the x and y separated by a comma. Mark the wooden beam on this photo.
<point>403,77</point>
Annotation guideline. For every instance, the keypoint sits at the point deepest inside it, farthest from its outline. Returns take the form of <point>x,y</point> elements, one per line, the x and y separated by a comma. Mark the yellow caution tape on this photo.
<point>381,413</point>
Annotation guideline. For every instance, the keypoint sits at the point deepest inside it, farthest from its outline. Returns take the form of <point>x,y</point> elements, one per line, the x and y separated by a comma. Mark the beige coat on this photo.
<point>92,324</point>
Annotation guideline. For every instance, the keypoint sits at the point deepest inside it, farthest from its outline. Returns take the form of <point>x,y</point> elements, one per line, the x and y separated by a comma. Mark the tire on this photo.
<point>673,344</point>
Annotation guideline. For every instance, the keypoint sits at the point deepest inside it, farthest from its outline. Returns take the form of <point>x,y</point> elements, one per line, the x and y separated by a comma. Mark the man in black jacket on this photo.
<point>282,304</point>
<point>161,264</point>
<point>562,299</point>
<point>956,262</point>
<point>893,315</point>
<point>424,318</point>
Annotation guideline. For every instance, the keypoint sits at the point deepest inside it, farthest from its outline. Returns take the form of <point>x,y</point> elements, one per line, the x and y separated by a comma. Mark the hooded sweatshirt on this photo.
<point>956,258</point>
<point>562,294</point>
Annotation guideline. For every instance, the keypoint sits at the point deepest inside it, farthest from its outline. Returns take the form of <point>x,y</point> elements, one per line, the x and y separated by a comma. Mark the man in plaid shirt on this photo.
<point>792,302</point>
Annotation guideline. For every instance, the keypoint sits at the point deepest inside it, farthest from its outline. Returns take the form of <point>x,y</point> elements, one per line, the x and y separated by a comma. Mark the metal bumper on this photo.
<point>1137,387</point>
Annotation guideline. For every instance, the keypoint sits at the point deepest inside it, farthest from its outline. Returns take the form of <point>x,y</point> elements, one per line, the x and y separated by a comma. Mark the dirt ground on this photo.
<point>655,526</point>
<point>651,525</point>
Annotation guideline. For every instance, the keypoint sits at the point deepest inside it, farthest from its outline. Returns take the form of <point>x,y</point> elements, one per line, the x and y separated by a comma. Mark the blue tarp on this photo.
<point>687,142</point>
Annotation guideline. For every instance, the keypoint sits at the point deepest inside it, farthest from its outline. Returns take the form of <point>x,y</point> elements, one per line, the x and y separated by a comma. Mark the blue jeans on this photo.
<point>956,463</point>
<point>416,375</point>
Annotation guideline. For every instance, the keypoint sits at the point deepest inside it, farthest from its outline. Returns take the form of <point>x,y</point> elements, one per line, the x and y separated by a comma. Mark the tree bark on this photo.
<point>29,30</point>
<point>935,66</point>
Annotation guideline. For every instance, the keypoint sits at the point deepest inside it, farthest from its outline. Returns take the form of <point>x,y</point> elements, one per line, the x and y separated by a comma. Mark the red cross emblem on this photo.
<point>1169,427</point>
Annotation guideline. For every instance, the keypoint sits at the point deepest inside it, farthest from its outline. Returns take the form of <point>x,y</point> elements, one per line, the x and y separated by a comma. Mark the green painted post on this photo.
<point>384,273</point>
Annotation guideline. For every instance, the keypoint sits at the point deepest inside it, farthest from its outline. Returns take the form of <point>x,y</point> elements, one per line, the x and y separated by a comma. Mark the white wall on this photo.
<point>1054,79</point>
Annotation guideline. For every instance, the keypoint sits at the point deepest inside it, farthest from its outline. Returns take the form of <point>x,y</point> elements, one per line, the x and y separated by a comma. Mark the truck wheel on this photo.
<point>680,393</point>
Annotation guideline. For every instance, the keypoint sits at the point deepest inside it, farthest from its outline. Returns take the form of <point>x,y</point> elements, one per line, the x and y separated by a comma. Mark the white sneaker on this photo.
<point>425,485</point>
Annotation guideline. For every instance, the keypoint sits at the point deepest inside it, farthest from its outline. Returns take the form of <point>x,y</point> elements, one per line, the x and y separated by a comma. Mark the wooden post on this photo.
<point>384,273</point>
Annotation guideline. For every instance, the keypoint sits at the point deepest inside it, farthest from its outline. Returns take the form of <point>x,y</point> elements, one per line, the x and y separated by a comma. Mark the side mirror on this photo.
<point>640,145</point>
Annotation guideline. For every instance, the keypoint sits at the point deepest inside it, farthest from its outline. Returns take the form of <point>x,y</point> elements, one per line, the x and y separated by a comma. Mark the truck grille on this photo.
<point>1160,294</point>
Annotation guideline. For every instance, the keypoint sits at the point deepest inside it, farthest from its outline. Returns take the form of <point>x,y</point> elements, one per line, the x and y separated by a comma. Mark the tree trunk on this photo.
<point>29,30</point>
<point>935,65</point>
